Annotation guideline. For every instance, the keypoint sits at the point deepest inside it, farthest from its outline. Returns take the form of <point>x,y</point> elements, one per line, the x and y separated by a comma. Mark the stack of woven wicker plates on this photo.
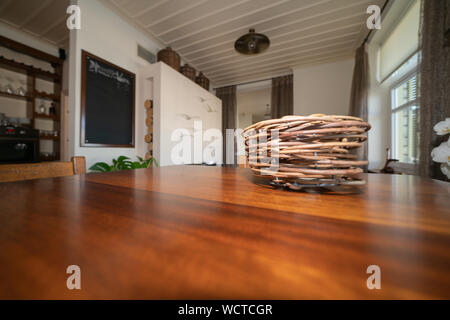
<point>307,151</point>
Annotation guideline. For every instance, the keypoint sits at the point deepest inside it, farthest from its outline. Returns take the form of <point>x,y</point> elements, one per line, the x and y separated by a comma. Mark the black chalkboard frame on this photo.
<point>83,143</point>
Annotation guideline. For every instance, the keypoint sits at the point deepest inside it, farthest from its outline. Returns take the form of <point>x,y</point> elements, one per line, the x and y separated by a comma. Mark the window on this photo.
<point>405,119</point>
<point>402,42</point>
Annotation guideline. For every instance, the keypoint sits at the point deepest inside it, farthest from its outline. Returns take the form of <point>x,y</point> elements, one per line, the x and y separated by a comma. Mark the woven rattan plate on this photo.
<point>307,151</point>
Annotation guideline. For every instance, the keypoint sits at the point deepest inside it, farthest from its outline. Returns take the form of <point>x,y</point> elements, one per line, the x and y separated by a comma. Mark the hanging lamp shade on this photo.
<point>252,43</point>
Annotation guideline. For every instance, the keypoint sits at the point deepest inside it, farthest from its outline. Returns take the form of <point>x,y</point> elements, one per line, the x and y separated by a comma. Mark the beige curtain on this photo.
<point>435,81</point>
<point>282,96</point>
<point>229,109</point>
<point>359,93</point>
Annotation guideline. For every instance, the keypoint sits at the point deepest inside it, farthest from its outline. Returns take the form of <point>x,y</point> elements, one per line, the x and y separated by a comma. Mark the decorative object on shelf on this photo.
<point>202,81</point>
<point>312,151</point>
<point>16,121</point>
<point>188,71</point>
<point>41,107</point>
<point>52,109</point>
<point>20,91</point>
<point>48,134</point>
<point>169,57</point>
<point>187,117</point>
<point>206,105</point>
<point>148,104</point>
<point>441,154</point>
<point>252,43</point>
<point>8,88</point>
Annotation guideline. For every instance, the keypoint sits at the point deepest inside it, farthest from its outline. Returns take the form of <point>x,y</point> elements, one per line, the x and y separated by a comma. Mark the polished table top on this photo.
<point>193,232</point>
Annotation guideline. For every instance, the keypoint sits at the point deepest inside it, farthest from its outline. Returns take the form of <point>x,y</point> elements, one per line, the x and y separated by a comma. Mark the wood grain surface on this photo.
<point>28,171</point>
<point>193,232</point>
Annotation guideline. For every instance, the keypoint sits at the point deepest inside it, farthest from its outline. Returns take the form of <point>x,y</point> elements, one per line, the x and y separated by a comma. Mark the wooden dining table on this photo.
<point>193,232</point>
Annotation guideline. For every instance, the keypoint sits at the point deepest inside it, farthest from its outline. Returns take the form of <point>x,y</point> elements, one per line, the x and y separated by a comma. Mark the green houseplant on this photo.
<point>122,163</point>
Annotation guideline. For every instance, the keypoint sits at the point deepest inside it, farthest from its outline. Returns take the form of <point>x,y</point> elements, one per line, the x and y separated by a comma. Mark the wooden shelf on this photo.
<point>48,137</point>
<point>15,96</point>
<point>45,95</point>
<point>42,157</point>
<point>27,69</point>
<point>37,94</point>
<point>45,116</point>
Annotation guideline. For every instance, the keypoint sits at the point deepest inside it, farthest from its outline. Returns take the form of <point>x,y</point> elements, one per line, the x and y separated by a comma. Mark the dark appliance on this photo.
<point>18,144</point>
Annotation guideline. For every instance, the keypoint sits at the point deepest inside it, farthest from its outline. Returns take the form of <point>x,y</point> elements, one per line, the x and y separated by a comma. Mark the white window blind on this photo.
<point>401,43</point>
<point>405,106</point>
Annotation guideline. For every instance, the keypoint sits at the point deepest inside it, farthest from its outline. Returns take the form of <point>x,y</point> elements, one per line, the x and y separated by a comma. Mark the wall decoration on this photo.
<point>148,104</point>
<point>107,104</point>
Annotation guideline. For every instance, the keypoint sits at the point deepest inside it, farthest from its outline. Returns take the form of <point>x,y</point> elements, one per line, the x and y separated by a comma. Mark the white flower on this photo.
<point>443,127</point>
<point>445,168</point>
<point>442,153</point>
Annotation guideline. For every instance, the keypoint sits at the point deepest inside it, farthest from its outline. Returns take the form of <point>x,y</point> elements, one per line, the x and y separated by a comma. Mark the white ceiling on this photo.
<point>45,19</point>
<point>203,32</point>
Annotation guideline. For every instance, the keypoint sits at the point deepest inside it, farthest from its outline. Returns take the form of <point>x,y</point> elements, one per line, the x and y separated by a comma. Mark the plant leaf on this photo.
<point>122,158</point>
<point>135,165</point>
<point>101,167</point>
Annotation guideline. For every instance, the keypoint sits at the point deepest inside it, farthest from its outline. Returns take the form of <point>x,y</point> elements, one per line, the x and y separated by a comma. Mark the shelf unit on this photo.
<point>15,96</point>
<point>32,73</point>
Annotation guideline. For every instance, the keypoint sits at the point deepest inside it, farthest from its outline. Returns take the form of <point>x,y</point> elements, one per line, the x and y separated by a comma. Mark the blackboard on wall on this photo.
<point>107,104</point>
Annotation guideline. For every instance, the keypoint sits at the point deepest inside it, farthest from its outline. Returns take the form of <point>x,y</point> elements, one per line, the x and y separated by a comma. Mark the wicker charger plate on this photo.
<point>307,151</point>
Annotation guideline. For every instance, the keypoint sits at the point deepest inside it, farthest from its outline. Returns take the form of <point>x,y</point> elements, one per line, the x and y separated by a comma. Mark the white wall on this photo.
<point>173,96</point>
<point>250,103</point>
<point>323,88</point>
<point>108,36</point>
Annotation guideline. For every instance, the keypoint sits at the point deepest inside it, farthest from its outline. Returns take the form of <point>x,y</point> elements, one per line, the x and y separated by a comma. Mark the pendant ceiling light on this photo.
<point>252,43</point>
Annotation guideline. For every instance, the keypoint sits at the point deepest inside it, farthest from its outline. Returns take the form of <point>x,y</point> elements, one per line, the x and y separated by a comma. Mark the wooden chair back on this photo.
<point>28,171</point>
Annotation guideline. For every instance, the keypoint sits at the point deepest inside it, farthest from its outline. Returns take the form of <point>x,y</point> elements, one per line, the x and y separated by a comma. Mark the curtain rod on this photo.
<point>254,81</point>
<point>370,32</point>
<point>244,83</point>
